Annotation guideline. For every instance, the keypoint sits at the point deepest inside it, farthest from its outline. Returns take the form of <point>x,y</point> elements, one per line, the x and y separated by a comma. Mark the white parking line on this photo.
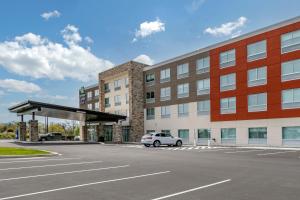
<point>54,165</point>
<point>182,148</point>
<point>280,152</point>
<point>38,160</point>
<point>244,151</point>
<point>69,172</point>
<point>176,149</point>
<point>197,148</point>
<point>83,185</point>
<point>191,190</point>
<point>190,148</point>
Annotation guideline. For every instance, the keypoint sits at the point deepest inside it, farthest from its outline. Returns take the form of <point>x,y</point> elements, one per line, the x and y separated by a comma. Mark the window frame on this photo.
<point>184,94</point>
<point>228,109</point>
<point>258,107</point>
<point>228,86</point>
<point>256,55</point>
<point>227,63</point>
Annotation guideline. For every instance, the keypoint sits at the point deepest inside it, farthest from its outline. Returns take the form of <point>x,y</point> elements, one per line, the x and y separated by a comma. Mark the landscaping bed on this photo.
<point>13,151</point>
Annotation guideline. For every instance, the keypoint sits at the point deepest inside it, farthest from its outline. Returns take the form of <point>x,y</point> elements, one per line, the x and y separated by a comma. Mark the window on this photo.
<point>167,133</point>
<point>290,41</point>
<point>96,106</point>
<point>126,82</point>
<point>227,82</point>
<point>203,65</point>
<point>203,107</point>
<point>150,97</point>
<point>150,131</point>
<point>118,112</point>
<point>106,87</point>
<point>183,110</point>
<point>165,94</point>
<point>150,113</point>
<point>183,90</point>
<point>184,135</point>
<point>257,50</point>
<point>117,84</point>
<point>227,58</point>
<point>203,86</point>
<point>203,136</point>
<point>96,93</point>
<point>127,98</point>
<point>290,70</point>
<point>228,135</point>
<point>257,76</point>
<point>165,112</point>
<point>291,136</point>
<point>89,95</point>
<point>258,135</point>
<point>182,70</point>
<point>228,105</point>
<point>257,102</point>
<point>90,106</point>
<point>165,75</point>
<point>106,102</point>
<point>290,98</point>
<point>150,78</point>
<point>117,99</point>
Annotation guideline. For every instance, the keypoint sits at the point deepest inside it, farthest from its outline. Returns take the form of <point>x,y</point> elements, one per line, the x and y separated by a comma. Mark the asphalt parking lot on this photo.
<point>132,172</point>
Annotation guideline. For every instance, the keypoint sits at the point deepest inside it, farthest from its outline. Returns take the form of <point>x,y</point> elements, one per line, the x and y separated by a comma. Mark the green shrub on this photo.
<point>7,136</point>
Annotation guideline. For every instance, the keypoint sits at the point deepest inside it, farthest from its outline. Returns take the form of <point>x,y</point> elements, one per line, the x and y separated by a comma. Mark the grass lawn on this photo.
<point>11,151</point>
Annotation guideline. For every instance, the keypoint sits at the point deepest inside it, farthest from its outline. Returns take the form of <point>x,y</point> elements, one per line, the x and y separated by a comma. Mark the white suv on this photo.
<point>157,139</point>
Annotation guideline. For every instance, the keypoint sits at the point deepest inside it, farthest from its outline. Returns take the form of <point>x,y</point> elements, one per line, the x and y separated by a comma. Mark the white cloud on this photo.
<point>194,6</point>
<point>229,28</point>
<point>34,56</point>
<point>51,14</point>
<point>89,40</point>
<point>144,59</point>
<point>13,85</point>
<point>148,28</point>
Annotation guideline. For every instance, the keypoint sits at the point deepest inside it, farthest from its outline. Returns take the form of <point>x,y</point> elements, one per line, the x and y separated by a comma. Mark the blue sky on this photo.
<point>48,49</point>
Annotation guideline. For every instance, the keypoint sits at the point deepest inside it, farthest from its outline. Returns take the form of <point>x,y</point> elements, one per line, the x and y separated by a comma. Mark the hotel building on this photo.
<point>243,91</point>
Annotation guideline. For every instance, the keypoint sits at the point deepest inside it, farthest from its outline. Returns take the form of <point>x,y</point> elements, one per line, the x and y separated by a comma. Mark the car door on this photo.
<point>162,138</point>
<point>169,139</point>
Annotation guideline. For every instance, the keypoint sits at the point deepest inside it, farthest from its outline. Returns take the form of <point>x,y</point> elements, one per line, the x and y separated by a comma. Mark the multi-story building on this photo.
<point>243,91</point>
<point>89,97</point>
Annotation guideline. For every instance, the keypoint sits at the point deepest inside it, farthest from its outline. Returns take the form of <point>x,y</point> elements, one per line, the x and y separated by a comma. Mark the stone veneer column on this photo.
<point>33,131</point>
<point>117,133</point>
<point>22,131</point>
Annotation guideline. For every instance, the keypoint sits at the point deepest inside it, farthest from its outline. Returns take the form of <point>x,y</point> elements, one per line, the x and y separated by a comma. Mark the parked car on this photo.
<point>77,138</point>
<point>157,139</point>
<point>53,136</point>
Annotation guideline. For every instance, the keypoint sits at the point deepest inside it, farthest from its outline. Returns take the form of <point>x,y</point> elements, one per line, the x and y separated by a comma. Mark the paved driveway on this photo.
<point>132,172</point>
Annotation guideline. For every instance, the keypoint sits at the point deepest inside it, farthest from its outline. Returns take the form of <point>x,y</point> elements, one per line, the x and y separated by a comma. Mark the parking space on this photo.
<point>133,172</point>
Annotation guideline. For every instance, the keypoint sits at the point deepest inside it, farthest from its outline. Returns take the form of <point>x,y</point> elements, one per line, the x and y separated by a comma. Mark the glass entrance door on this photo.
<point>125,133</point>
<point>92,134</point>
<point>184,134</point>
<point>108,133</point>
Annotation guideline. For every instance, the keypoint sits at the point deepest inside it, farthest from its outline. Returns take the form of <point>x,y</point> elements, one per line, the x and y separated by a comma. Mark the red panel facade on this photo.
<point>273,87</point>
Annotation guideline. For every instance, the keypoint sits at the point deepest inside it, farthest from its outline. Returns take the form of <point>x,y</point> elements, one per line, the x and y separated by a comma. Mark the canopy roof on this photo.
<point>63,112</point>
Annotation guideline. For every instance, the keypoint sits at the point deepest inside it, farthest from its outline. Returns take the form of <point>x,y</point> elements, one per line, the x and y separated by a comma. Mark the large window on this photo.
<point>117,84</point>
<point>228,82</point>
<point>203,86</point>
<point>203,107</point>
<point>228,135</point>
<point>126,82</point>
<point>90,106</point>
<point>89,95</point>
<point>227,58</point>
<point>184,135</point>
<point>150,98</point>
<point>203,136</point>
<point>257,76</point>
<point>228,105</point>
<point>182,70</point>
<point>183,110</point>
<point>183,90</point>
<point>165,75</point>
<point>106,102</point>
<point>290,70</point>
<point>165,94</point>
<point>258,135</point>
<point>257,50</point>
<point>106,87</point>
<point>291,136</point>
<point>96,106</point>
<point>117,99</point>
<point>165,112</point>
<point>96,93</point>
<point>150,113</point>
<point>257,102</point>
<point>290,98</point>
<point>203,65</point>
<point>290,41</point>
<point>150,79</point>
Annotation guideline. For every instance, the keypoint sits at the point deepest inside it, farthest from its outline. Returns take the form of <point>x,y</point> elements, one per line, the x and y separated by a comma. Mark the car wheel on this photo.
<point>147,145</point>
<point>179,143</point>
<point>156,143</point>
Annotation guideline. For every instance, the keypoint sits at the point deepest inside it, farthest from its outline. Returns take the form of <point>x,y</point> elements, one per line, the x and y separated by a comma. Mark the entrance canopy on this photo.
<point>63,112</point>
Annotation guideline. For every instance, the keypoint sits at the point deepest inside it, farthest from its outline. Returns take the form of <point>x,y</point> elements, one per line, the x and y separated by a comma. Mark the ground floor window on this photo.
<point>184,134</point>
<point>291,136</point>
<point>228,135</point>
<point>203,136</point>
<point>166,131</point>
<point>258,135</point>
<point>125,133</point>
<point>108,133</point>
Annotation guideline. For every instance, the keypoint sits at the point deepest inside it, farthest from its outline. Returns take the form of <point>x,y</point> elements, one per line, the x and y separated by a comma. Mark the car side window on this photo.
<point>163,135</point>
<point>168,135</point>
<point>157,135</point>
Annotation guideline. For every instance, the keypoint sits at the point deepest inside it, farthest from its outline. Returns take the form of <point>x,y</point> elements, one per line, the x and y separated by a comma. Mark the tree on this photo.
<point>54,127</point>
